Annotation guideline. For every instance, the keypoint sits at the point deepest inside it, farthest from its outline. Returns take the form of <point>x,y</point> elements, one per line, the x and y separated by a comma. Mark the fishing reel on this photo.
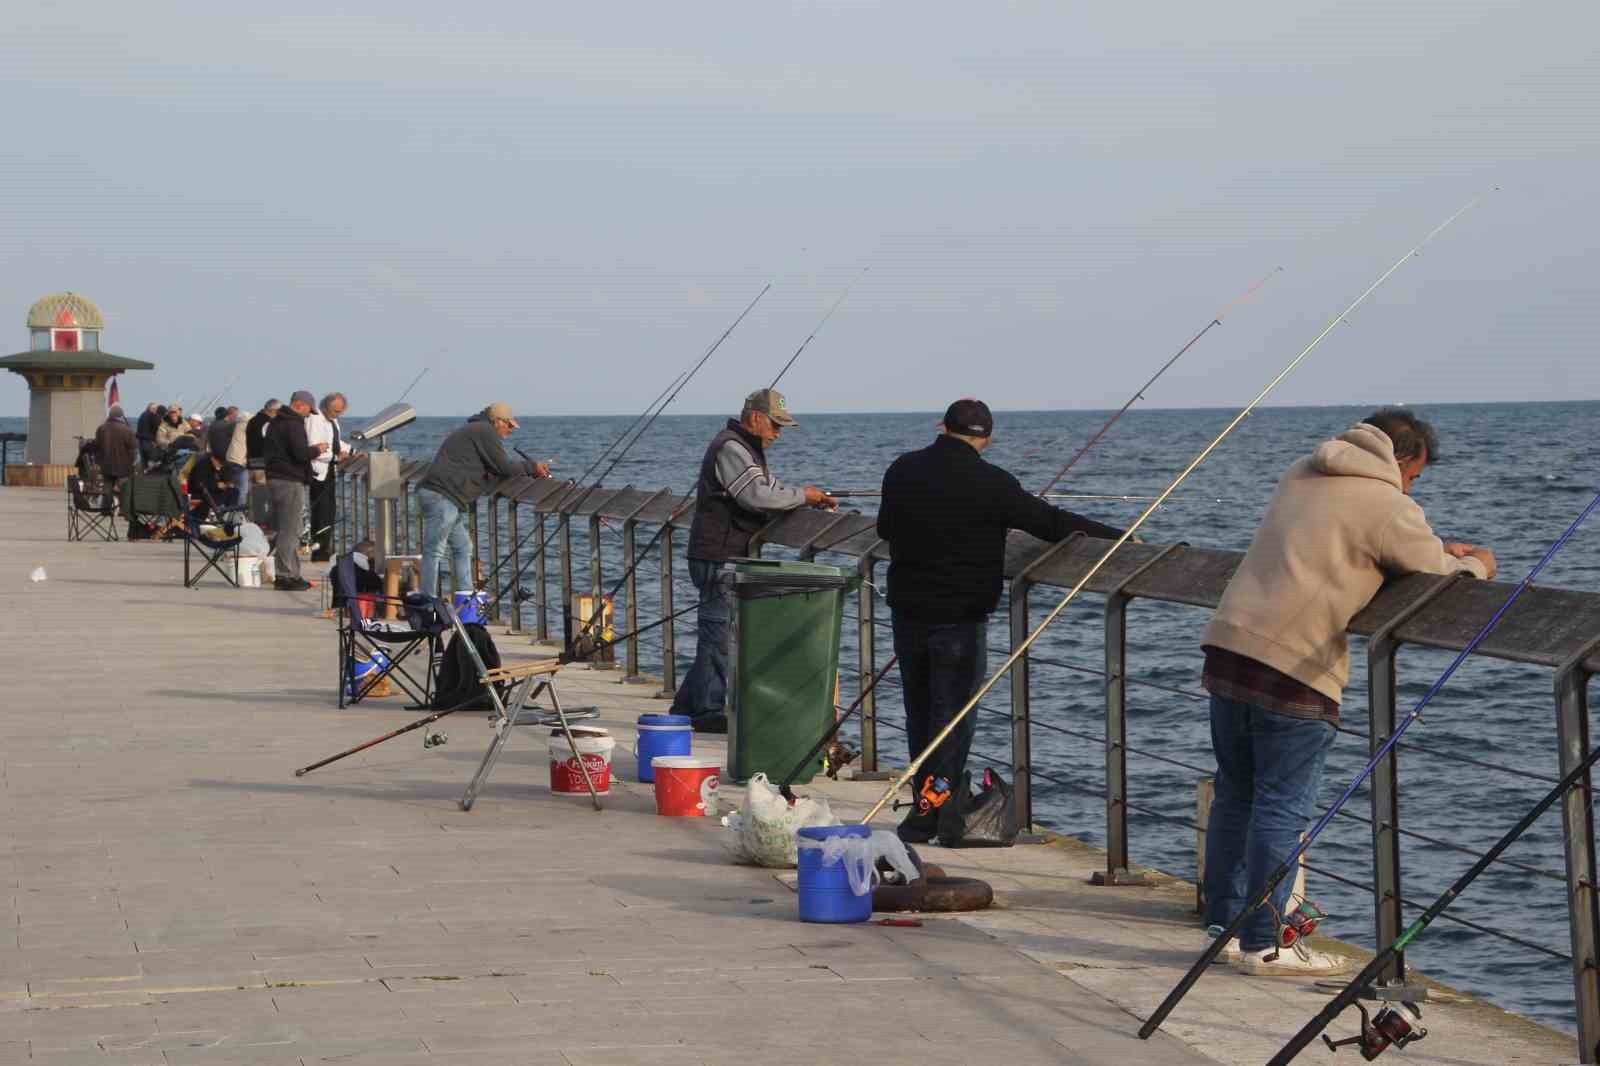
<point>434,738</point>
<point>1395,1025</point>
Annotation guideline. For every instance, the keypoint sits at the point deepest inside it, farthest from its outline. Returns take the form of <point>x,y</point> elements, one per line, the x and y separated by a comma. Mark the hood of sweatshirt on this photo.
<point>1364,451</point>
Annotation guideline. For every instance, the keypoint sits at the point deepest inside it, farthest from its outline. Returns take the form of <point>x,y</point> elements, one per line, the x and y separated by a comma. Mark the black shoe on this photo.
<point>291,584</point>
<point>710,723</point>
<point>918,828</point>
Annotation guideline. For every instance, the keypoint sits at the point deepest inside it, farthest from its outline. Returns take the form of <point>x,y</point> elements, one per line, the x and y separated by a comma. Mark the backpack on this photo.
<point>457,686</point>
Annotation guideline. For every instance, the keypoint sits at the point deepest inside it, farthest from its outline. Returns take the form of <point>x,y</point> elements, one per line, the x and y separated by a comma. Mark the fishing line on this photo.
<point>1216,946</point>
<point>1127,534</point>
<point>813,335</point>
<point>1139,395</point>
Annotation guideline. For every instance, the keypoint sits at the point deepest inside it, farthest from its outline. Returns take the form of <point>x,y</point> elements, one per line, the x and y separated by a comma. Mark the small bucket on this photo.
<point>470,607</point>
<point>566,777</point>
<point>686,785</point>
<point>827,893</point>
<point>249,572</point>
<point>661,734</point>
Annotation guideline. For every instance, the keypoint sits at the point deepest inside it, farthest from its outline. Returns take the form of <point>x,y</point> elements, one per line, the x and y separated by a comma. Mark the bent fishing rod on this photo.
<point>1376,1037</point>
<point>1139,395</point>
<point>672,395</point>
<point>818,329</point>
<point>1127,534</point>
<point>1292,860</point>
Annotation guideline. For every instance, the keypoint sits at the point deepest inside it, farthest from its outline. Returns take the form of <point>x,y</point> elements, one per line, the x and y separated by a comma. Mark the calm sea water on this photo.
<point>1512,476</point>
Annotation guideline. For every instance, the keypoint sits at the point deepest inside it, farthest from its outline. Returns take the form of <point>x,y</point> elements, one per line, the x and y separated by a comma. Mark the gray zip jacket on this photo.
<point>469,462</point>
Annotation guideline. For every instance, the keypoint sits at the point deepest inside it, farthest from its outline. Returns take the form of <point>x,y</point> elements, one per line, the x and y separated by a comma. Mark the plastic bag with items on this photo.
<point>766,828</point>
<point>860,857</point>
<point>252,541</point>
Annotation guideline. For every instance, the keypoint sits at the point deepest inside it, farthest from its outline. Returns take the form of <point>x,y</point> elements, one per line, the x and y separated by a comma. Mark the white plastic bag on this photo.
<point>252,541</point>
<point>38,574</point>
<point>860,857</point>
<point>768,828</point>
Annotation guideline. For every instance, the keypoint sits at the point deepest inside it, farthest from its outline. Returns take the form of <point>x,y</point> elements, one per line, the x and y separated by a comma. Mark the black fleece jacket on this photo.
<point>288,452</point>
<point>945,514</point>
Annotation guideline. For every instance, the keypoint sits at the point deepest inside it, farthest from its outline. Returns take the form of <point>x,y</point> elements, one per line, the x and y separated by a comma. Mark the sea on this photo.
<point>1510,476</point>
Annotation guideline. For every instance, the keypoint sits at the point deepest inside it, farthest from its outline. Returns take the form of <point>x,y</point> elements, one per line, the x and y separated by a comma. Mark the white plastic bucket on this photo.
<point>249,574</point>
<point>566,778</point>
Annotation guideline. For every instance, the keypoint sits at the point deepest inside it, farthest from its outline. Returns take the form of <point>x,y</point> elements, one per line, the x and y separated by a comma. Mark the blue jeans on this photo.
<point>1269,771</point>
<point>705,688</point>
<point>444,527</point>
<point>941,666</point>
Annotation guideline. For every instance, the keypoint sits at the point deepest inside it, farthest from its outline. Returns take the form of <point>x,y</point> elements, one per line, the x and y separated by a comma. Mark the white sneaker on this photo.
<point>1296,960</point>
<point>1229,954</point>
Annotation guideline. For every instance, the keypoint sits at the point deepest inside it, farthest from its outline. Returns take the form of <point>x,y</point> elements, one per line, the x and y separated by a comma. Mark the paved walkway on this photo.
<point>179,897</point>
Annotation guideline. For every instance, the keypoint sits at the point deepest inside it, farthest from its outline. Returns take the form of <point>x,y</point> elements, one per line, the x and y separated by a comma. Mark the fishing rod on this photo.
<point>1127,534</point>
<point>1391,1026</point>
<point>848,494</point>
<point>1216,321</point>
<point>813,335</point>
<point>833,731</point>
<point>683,381</point>
<point>420,374</point>
<point>213,402</point>
<point>1292,860</point>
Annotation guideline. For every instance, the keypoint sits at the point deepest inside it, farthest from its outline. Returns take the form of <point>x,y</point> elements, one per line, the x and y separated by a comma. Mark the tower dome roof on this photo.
<point>64,309</point>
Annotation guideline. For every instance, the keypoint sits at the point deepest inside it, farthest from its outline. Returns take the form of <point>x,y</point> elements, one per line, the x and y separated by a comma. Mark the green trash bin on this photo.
<point>783,657</point>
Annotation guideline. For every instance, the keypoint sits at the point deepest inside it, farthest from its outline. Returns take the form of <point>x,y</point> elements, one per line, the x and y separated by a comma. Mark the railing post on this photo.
<point>472,532</point>
<point>630,585</point>
<point>867,657</point>
<point>669,652</point>
<point>564,529</point>
<point>514,593</point>
<point>541,616</point>
<point>808,550</point>
<point>1388,918</point>
<point>405,518</point>
<point>1118,869</point>
<point>758,539</point>
<point>1577,834</point>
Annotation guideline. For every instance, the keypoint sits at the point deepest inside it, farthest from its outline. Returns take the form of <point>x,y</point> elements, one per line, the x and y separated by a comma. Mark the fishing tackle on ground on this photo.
<point>1022,648</point>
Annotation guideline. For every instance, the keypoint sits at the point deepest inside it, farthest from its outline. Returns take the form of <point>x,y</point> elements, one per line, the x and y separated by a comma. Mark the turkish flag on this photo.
<point>113,398</point>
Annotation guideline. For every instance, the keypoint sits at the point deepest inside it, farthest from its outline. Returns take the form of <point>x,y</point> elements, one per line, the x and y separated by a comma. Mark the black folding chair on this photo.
<point>385,645</point>
<point>214,552</point>
<point>89,514</point>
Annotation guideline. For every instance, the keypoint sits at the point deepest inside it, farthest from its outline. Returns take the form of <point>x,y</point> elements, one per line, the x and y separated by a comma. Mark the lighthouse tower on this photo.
<point>67,373</point>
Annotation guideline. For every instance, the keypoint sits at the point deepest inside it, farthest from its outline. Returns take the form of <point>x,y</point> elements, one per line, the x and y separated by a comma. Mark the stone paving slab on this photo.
<point>176,896</point>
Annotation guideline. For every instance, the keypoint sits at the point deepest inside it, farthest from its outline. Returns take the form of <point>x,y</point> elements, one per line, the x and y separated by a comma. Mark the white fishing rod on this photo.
<point>1021,649</point>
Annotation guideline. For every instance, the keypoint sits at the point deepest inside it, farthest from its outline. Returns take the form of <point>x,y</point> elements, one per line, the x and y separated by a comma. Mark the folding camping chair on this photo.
<point>89,515</point>
<point>511,688</point>
<point>384,644</point>
<point>213,551</point>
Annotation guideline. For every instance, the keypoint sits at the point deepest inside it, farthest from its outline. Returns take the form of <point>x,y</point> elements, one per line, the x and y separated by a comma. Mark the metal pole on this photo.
<point>867,657</point>
<point>470,579</point>
<point>492,501</point>
<point>1577,832</point>
<point>564,531</point>
<point>669,661</point>
<point>541,626</point>
<point>516,593</point>
<point>631,584</point>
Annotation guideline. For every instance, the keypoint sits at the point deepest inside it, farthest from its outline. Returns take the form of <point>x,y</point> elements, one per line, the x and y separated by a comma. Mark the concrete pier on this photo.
<point>178,897</point>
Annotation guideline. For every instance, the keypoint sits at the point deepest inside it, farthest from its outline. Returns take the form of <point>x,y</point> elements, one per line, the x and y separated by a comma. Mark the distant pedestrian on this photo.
<point>171,428</point>
<point>1277,660</point>
<point>946,514</point>
<point>219,434</point>
<point>322,427</point>
<point>469,463</point>
<point>117,448</point>
<point>255,443</point>
<point>735,495</point>
<point>289,457</point>
<point>146,431</point>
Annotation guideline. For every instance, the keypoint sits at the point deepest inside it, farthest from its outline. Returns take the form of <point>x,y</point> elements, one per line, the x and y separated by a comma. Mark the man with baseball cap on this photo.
<point>469,463</point>
<point>735,496</point>
<point>288,455</point>
<point>945,513</point>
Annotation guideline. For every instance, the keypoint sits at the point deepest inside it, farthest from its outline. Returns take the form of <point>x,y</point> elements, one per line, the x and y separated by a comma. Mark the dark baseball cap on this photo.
<point>969,417</point>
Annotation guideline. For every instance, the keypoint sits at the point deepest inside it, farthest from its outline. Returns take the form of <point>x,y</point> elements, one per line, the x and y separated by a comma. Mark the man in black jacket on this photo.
<point>288,460</point>
<point>945,514</point>
<point>255,450</point>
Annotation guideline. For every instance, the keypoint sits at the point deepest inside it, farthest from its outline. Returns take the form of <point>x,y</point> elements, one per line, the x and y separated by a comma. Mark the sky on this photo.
<point>564,206</point>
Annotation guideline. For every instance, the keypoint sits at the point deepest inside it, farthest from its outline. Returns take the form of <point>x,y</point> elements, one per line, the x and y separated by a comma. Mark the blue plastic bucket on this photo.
<point>469,606</point>
<point>661,734</point>
<point>825,892</point>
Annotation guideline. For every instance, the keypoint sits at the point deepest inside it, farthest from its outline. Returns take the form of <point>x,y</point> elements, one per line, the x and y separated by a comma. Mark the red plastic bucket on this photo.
<point>566,778</point>
<point>686,785</point>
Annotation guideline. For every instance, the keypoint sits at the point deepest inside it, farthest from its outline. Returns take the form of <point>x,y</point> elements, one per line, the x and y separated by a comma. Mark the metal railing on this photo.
<point>1551,628</point>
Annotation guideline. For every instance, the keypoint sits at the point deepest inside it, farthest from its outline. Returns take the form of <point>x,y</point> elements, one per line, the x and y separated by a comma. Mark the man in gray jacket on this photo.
<point>1277,660</point>
<point>735,496</point>
<point>469,462</point>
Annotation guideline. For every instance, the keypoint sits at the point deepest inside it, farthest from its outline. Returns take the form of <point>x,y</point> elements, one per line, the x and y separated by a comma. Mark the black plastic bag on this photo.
<point>984,820</point>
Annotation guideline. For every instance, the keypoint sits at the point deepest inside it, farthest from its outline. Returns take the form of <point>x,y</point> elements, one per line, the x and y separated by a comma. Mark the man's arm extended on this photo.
<point>750,487</point>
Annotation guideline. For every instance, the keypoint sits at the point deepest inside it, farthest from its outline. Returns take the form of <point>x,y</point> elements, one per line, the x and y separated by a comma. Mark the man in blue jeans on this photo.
<point>1277,661</point>
<point>946,514</point>
<point>469,463</point>
<point>735,496</point>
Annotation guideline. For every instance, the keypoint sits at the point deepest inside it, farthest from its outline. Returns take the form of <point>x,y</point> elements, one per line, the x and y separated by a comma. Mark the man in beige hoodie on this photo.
<point>1277,659</point>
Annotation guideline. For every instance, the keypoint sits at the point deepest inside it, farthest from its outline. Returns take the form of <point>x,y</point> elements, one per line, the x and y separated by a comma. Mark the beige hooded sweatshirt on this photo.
<point>1336,524</point>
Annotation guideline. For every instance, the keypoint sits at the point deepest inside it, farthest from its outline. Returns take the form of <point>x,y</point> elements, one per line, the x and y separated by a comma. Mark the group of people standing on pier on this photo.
<point>1275,657</point>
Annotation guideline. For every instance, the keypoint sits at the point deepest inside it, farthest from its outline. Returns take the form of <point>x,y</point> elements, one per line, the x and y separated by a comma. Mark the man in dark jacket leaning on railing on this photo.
<point>469,463</point>
<point>945,514</point>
